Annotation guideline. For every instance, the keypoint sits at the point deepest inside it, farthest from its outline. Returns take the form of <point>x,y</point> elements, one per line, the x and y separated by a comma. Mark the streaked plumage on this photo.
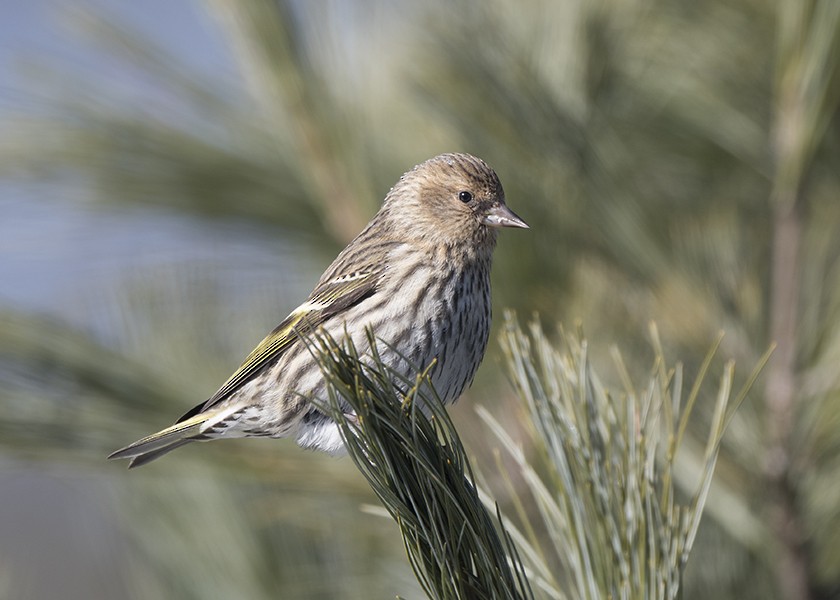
<point>418,274</point>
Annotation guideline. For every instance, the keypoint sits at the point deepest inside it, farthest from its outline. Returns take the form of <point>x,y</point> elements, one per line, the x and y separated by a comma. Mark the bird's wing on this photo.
<point>329,298</point>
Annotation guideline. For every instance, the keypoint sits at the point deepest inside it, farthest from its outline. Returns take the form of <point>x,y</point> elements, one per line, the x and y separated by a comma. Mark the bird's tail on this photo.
<point>157,444</point>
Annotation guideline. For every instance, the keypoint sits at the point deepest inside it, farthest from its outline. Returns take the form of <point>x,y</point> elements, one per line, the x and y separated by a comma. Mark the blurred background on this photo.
<point>174,176</point>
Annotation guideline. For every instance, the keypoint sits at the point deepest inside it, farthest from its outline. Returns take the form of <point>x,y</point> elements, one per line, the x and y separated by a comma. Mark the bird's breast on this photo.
<point>437,310</point>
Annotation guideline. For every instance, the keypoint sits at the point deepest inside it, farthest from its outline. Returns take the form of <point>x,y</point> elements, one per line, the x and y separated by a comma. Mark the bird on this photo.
<point>417,276</point>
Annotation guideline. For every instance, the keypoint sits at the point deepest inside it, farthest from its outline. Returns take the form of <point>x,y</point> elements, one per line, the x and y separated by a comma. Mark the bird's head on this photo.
<point>451,199</point>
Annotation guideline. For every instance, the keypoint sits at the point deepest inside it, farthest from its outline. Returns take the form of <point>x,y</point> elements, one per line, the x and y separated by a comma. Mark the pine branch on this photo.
<point>407,448</point>
<point>603,478</point>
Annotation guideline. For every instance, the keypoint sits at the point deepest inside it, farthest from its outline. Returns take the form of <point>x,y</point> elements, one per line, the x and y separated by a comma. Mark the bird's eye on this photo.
<point>465,197</point>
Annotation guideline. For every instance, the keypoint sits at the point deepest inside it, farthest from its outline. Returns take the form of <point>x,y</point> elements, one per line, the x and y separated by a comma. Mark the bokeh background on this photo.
<point>174,175</point>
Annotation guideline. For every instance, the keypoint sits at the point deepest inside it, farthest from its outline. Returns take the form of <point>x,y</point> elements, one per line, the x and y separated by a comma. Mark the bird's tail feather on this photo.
<point>157,444</point>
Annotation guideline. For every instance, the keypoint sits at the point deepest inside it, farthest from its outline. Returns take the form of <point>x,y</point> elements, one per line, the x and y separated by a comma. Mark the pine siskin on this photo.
<point>418,275</point>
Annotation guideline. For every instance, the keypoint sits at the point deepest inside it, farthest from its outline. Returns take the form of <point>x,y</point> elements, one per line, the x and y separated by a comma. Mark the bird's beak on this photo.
<point>501,216</point>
